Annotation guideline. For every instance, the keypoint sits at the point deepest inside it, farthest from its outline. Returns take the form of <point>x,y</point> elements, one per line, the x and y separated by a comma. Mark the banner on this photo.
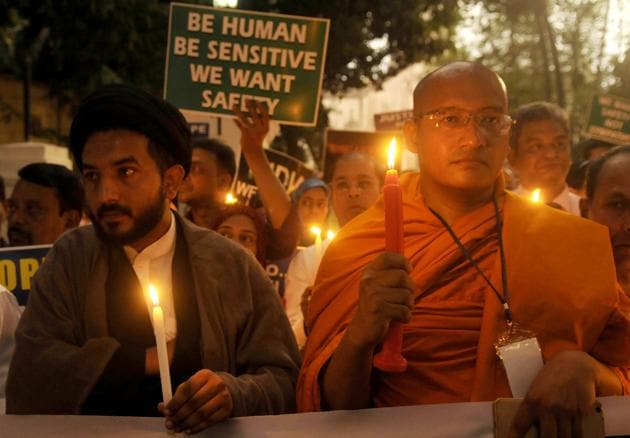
<point>289,171</point>
<point>392,121</point>
<point>609,119</point>
<point>18,265</point>
<point>217,58</point>
<point>374,144</point>
<point>199,129</point>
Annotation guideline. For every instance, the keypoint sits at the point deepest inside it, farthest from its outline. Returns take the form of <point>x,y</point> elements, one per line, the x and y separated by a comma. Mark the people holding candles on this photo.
<point>479,264</point>
<point>356,181</point>
<point>86,345</point>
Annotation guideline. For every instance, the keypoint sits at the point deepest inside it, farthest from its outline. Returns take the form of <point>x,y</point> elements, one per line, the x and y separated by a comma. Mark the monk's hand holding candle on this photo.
<point>198,403</point>
<point>385,294</point>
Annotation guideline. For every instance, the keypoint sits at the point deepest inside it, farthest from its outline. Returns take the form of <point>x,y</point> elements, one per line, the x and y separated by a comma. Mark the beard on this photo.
<point>19,237</point>
<point>143,222</point>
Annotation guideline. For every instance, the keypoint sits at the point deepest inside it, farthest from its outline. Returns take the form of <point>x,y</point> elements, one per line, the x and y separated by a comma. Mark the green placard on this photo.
<point>610,119</point>
<point>217,58</point>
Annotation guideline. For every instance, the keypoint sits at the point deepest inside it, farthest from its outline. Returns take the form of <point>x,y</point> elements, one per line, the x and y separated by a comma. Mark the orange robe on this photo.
<point>561,284</point>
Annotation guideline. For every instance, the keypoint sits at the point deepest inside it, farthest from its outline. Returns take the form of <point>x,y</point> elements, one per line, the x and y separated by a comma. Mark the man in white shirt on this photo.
<point>540,152</point>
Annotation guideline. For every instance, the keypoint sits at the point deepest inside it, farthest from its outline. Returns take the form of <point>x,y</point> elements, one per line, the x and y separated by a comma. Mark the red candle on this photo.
<point>390,357</point>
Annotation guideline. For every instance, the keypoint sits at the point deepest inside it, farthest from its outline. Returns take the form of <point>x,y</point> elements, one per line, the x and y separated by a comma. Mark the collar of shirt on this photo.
<point>154,264</point>
<point>159,248</point>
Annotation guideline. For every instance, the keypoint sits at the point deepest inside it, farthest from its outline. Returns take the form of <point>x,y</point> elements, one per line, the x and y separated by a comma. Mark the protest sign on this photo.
<point>289,171</point>
<point>199,129</point>
<point>18,265</point>
<point>218,58</point>
<point>609,119</point>
<point>392,121</point>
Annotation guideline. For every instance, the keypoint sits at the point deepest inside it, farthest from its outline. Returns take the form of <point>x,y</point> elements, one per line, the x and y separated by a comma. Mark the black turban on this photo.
<point>124,107</point>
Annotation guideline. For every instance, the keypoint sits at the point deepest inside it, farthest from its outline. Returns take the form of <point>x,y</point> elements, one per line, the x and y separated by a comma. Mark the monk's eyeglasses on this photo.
<point>453,119</point>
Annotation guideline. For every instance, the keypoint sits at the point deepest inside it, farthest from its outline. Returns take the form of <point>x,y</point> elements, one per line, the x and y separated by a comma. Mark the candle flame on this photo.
<point>330,234</point>
<point>154,295</point>
<point>391,154</point>
<point>230,199</point>
<point>316,230</point>
<point>535,197</point>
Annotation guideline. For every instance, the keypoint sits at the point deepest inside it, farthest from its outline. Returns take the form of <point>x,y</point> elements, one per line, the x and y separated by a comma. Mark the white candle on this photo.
<point>318,240</point>
<point>160,342</point>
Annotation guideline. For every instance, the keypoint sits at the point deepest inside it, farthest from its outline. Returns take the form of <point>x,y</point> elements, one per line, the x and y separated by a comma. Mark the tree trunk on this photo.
<point>545,57</point>
<point>600,61</point>
<point>561,100</point>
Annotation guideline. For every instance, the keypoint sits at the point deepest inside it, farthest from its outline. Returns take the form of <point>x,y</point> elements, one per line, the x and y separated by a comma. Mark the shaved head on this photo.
<point>443,76</point>
<point>460,157</point>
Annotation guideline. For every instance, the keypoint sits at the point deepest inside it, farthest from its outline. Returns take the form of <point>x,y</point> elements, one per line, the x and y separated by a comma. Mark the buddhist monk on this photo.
<point>479,263</point>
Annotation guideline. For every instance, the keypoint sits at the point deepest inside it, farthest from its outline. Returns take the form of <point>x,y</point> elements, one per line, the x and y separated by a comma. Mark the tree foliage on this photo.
<point>548,50</point>
<point>410,31</point>
<point>95,42</point>
<point>90,42</point>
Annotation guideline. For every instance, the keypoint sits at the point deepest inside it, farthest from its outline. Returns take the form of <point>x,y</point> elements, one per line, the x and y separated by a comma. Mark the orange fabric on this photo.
<point>556,288</point>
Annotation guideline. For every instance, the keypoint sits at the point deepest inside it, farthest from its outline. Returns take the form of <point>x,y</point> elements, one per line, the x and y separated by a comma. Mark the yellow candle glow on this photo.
<point>160,342</point>
<point>536,196</point>
<point>230,199</point>
<point>330,234</point>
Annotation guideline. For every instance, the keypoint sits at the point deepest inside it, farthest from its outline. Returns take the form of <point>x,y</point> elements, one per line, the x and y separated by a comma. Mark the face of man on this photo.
<point>456,131</point>
<point>207,182</point>
<point>610,206</point>
<point>355,188</point>
<point>127,196</point>
<point>313,207</point>
<point>34,215</point>
<point>542,155</point>
<point>240,229</point>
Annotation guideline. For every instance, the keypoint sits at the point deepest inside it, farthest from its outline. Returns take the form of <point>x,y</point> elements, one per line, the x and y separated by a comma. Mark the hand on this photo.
<point>254,127</point>
<point>385,293</point>
<point>198,403</point>
<point>562,393</point>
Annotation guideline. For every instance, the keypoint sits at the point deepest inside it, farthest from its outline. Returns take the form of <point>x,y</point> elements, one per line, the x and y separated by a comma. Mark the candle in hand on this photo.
<point>390,359</point>
<point>318,240</point>
<point>160,342</point>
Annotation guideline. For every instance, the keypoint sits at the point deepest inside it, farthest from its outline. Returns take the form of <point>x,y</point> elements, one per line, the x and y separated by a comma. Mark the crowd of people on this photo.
<point>483,267</point>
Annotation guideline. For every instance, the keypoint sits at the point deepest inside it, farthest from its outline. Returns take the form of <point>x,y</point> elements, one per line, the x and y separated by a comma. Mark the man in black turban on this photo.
<point>86,345</point>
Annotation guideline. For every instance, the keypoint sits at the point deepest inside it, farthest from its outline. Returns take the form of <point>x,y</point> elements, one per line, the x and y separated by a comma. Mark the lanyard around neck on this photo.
<point>502,298</point>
